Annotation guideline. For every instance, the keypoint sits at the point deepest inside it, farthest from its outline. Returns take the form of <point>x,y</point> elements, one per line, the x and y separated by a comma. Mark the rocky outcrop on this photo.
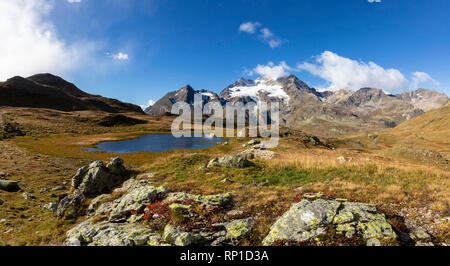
<point>91,181</point>
<point>117,221</point>
<point>312,218</point>
<point>232,161</point>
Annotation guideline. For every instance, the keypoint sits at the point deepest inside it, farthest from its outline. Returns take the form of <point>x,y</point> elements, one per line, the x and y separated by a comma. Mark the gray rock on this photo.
<point>60,188</point>
<point>233,161</point>
<point>146,175</point>
<point>116,167</point>
<point>218,200</point>
<point>96,179</point>
<point>258,154</point>
<point>308,219</point>
<point>418,234</point>
<point>91,181</point>
<point>135,200</point>
<point>8,185</point>
<point>73,242</point>
<point>233,213</point>
<point>70,203</point>
<point>28,196</point>
<point>177,237</point>
<point>424,244</point>
<point>253,142</point>
<point>113,234</point>
<point>52,206</point>
<point>95,203</point>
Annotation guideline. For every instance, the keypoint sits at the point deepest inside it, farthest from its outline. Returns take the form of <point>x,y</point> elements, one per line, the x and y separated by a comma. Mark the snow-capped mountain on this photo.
<point>321,113</point>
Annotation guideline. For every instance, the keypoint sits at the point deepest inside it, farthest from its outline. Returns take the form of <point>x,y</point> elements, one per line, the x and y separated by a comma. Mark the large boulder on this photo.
<point>308,219</point>
<point>232,161</point>
<point>8,185</point>
<point>91,181</point>
<point>95,179</point>
<point>113,234</point>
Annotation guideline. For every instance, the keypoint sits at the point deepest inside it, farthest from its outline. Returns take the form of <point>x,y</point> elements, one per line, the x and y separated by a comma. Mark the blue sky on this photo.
<point>136,50</point>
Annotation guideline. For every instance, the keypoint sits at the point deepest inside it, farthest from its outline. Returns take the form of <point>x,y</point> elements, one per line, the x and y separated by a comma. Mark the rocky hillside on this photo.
<point>321,113</point>
<point>49,91</point>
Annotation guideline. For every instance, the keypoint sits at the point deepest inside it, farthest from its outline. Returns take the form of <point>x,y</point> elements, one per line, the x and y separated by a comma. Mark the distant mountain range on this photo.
<point>326,113</point>
<point>323,113</point>
<point>53,92</point>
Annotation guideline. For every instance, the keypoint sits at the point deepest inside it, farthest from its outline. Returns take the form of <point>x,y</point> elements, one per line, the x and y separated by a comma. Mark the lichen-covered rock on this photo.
<point>208,200</point>
<point>113,234</point>
<point>135,201</point>
<point>364,220</point>
<point>309,219</point>
<point>232,161</point>
<point>239,229</point>
<point>177,237</point>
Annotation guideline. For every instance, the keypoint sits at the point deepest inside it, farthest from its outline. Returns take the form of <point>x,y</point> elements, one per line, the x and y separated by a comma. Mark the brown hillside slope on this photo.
<point>52,92</point>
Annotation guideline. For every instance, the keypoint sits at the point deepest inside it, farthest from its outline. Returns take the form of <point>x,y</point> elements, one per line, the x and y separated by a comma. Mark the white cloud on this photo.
<point>249,27</point>
<point>422,77</point>
<point>271,71</point>
<point>29,43</point>
<point>374,1</point>
<point>274,43</point>
<point>343,72</point>
<point>265,34</point>
<point>74,1</point>
<point>120,56</point>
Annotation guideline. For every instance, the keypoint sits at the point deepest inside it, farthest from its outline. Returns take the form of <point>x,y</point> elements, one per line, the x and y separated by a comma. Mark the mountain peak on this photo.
<point>58,82</point>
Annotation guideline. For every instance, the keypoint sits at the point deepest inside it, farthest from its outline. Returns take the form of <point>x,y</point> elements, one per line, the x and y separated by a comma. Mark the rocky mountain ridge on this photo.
<point>328,113</point>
